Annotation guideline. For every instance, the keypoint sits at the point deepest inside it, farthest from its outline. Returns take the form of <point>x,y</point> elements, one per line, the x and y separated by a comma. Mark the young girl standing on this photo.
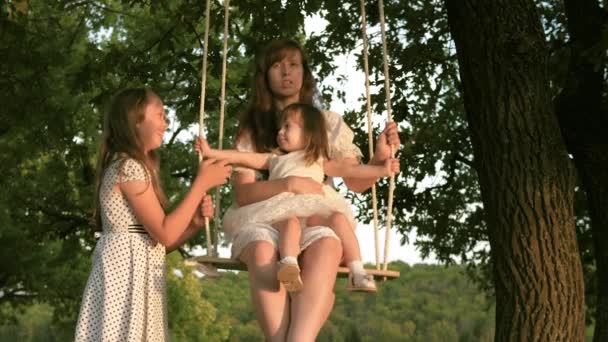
<point>124,299</point>
<point>303,151</point>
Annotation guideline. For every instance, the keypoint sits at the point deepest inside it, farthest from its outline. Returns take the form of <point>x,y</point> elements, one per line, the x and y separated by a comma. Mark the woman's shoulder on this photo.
<point>331,116</point>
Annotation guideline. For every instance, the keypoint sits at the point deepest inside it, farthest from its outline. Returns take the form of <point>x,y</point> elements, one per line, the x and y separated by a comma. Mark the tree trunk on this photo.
<point>526,178</point>
<point>583,120</point>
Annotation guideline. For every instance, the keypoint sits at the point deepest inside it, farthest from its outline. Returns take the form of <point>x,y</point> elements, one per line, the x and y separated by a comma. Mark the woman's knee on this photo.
<point>259,253</point>
<point>326,249</point>
<point>337,217</point>
<point>261,260</point>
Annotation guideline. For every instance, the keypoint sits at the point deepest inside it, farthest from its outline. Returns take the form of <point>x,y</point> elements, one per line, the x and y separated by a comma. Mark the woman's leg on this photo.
<point>342,227</point>
<point>311,307</point>
<point>269,300</point>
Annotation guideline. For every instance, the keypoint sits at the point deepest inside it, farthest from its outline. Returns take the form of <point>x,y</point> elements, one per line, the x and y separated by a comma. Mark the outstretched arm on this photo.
<point>258,161</point>
<point>346,169</point>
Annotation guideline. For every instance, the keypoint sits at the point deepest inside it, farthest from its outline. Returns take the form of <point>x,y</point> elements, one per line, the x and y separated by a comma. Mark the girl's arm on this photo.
<point>197,222</point>
<point>168,228</point>
<point>345,169</point>
<point>258,161</point>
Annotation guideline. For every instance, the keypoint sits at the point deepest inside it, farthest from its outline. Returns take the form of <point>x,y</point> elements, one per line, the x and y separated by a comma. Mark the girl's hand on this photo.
<point>205,210</point>
<point>214,172</point>
<point>201,146</point>
<point>389,137</point>
<point>303,185</point>
<point>391,166</point>
<point>207,206</point>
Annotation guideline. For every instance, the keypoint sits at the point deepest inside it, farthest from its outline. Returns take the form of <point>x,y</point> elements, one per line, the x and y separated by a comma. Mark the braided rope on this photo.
<point>387,86</point>
<point>201,116</point>
<point>221,133</point>
<point>369,129</point>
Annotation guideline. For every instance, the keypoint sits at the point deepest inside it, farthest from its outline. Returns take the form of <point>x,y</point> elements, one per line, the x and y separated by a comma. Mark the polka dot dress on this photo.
<point>124,299</point>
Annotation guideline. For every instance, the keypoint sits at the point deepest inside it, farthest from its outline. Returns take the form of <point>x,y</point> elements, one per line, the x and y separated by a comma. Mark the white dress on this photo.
<point>287,204</point>
<point>242,229</point>
<point>124,299</point>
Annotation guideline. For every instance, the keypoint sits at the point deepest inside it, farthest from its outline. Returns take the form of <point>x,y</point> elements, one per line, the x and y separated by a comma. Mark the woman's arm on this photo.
<point>387,139</point>
<point>351,171</point>
<point>248,190</point>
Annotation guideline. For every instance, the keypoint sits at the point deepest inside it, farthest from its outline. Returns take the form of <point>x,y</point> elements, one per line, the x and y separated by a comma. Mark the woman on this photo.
<point>283,77</point>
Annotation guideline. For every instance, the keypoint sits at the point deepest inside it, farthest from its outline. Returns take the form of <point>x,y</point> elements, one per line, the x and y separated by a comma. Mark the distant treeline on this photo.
<point>427,303</point>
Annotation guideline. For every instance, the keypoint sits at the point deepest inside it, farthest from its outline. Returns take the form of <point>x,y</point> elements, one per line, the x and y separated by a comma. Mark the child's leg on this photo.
<point>289,237</point>
<point>289,249</point>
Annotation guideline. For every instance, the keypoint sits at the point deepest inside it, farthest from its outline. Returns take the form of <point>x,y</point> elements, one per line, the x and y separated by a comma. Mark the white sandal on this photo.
<point>361,284</point>
<point>289,276</point>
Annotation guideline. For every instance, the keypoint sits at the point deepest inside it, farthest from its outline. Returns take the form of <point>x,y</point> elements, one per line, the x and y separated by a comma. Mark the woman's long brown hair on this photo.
<point>260,120</point>
<point>119,141</point>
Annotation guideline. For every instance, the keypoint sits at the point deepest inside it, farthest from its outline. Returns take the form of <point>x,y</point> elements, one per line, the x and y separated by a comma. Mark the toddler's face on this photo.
<point>291,136</point>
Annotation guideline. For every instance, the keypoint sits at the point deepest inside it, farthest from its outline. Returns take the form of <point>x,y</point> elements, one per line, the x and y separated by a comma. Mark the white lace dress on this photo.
<point>253,222</point>
<point>124,299</point>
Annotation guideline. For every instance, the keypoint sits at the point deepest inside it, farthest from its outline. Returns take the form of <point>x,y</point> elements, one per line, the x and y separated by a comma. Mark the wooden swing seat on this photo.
<point>210,263</point>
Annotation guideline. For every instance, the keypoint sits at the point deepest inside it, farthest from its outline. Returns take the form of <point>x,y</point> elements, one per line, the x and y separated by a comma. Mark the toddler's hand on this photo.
<point>214,172</point>
<point>391,166</point>
<point>201,146</point>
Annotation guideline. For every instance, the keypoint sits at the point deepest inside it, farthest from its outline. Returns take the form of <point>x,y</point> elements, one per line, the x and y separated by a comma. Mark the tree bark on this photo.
<point>526,178</point>
<point>583,121</point>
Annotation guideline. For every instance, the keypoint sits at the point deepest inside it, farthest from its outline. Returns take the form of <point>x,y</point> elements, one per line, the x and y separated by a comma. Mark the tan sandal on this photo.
<point>289,276</point>
<point>364,284</point>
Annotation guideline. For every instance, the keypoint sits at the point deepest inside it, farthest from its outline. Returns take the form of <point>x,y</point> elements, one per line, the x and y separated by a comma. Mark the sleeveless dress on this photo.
<point>124,298</point>
<point>246,231</point>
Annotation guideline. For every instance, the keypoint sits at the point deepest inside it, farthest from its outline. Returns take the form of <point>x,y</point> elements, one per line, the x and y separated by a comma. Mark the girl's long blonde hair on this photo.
<point>119,141</point>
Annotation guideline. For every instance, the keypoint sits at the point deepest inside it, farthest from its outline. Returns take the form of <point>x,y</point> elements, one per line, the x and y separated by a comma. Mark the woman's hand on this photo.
<point>303,185</point>
<point>391,166</point>
<point>205,210</point>
<point>389,137</point>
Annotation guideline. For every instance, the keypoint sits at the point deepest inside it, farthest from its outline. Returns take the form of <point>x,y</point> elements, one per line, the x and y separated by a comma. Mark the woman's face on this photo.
<point>285,77</point>
<point>151,129</point>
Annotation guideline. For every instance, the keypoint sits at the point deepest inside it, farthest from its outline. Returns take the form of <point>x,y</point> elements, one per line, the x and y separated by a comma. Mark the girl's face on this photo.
<point>291,136</point>
<point>151,129</point>
<point>285,77</point>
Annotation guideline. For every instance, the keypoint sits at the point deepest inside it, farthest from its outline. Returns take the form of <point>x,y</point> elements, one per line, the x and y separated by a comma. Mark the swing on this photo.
<point>210,263</point>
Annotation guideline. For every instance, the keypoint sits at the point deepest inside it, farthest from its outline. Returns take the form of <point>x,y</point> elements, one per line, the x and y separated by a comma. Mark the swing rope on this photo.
<point>387,90</point>
<point>221,133</point>
<point>201,122</point>
<point>369,129</point>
